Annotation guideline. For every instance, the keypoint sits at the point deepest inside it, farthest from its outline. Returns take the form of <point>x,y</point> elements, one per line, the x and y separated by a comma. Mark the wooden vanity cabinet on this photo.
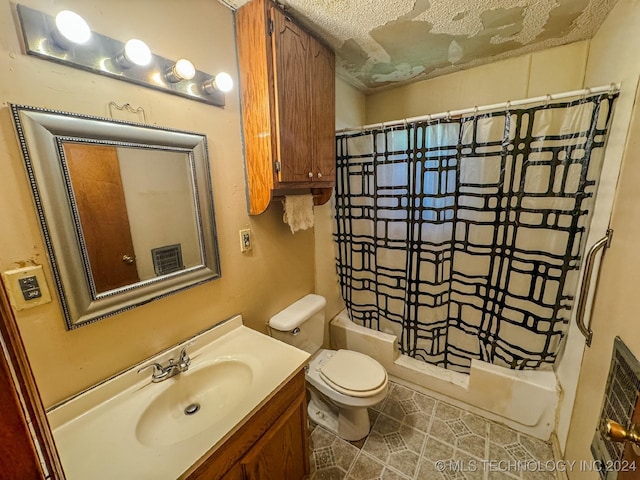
<point>272,444</point>
<point>287,91</point>
<point>280,451</point>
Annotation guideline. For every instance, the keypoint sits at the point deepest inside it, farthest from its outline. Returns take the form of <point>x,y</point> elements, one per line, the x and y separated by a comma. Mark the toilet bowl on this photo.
<point>342,384</point>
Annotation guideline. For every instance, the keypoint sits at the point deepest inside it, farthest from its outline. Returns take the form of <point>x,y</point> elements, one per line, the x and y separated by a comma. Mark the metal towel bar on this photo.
<point>586,281</point>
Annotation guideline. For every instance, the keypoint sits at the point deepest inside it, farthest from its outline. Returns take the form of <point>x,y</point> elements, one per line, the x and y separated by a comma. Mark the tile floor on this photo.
<point>415,437</point>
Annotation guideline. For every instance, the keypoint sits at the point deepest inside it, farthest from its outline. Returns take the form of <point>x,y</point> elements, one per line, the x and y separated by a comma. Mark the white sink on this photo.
<point>196,400</point>
<point>131,428</point>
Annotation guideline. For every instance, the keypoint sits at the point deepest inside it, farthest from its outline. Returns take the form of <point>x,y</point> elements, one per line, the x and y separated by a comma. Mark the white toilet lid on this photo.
<point>353,373</point>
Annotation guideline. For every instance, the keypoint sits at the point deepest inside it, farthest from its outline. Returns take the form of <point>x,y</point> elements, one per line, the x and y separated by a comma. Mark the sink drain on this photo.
<point>192,409</point>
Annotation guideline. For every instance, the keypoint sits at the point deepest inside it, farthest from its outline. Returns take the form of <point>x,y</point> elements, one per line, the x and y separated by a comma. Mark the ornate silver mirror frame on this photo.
<point>42,135</point>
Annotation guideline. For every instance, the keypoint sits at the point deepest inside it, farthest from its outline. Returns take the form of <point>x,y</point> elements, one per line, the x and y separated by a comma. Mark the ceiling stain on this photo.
<point>419,7</point>
<point>399,73</point>
<point>455,52</point>
<point>503,19</point>
<point>382,44</point>
<point>562,20</point>
<point>460,16</point>
<point>353,57</point>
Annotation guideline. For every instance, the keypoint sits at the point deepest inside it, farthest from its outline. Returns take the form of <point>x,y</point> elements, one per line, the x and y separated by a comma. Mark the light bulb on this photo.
<point>223,82</point>
<point>72,28</point>
<point>183,69</point>
<point>135,52</point>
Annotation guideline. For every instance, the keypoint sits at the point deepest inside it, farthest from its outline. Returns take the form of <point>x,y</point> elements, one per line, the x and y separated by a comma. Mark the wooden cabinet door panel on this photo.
<point>255,82</point>
<point>293,115</point>
<point>323,111</point>
<point>282,451</point>
<point>234,474</point>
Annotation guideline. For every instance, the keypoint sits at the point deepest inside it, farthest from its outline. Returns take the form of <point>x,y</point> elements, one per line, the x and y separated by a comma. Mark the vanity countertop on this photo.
<point>130,428</point>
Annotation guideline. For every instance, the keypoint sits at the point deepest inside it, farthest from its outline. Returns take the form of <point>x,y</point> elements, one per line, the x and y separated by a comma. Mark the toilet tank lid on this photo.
<point>298,312</point>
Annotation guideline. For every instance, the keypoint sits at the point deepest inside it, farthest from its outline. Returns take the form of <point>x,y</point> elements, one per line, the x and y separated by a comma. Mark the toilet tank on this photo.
<point>301,324</point>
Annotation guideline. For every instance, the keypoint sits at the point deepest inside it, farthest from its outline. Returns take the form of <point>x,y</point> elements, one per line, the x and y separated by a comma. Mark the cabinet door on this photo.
<point>282,451</point>
<point>323,111</point>
<point>234,474</point>
<point>255,71</point>
<point>293,115</point>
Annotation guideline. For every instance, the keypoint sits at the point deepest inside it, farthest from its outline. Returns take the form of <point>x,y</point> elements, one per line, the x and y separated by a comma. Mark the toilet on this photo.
<point>343,383</point>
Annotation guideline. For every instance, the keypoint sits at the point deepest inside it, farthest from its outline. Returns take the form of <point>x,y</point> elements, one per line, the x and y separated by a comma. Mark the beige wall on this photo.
<point>613,57</point>
<point>555,70</point>
<point>279,270</point>
<point>350,111</point>
<point>350,105</point>
<point>160,207</point>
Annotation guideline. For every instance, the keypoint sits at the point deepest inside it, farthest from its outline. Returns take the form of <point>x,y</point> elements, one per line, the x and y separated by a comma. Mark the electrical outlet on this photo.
<point>245,240</point>
<point>27,287</point>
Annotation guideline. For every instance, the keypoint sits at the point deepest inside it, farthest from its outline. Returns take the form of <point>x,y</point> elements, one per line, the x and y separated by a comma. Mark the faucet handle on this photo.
<point>158,370</point>
<point>184,360</point>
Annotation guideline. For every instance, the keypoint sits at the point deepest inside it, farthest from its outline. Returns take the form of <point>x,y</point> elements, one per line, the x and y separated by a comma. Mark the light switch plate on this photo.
<point>27,287</point>
<point>245,240</point>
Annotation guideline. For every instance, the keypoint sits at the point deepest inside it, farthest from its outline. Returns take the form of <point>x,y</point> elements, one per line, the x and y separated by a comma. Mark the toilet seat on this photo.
<point>354,374</point>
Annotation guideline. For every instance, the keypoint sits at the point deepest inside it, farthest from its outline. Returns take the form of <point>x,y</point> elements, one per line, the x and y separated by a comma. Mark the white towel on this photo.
<point>298,212</point>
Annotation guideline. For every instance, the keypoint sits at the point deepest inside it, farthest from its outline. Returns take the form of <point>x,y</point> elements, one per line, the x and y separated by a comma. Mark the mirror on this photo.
<point>126,209</point>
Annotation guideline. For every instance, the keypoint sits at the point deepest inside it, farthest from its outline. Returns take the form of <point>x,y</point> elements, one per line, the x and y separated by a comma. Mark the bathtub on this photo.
<point>524,400</point>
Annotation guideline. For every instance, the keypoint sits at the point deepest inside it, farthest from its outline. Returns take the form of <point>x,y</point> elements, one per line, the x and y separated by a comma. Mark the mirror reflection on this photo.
<point>136,210</point>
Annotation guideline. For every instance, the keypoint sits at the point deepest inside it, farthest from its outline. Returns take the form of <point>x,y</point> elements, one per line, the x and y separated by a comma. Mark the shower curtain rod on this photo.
<point>612,88</point>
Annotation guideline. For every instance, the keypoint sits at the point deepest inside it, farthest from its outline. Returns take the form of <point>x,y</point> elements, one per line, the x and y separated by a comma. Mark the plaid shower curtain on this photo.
<point>463,237</point>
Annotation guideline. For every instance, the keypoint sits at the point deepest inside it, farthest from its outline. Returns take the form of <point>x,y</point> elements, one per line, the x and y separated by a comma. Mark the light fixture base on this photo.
<point>99,54</point>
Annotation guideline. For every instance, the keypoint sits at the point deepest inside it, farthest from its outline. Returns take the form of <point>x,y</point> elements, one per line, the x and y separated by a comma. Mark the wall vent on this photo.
<point>167,259</point>
<point>620,398</point>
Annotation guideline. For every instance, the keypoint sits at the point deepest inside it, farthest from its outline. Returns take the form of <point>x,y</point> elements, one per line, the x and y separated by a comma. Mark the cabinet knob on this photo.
<point>310,174</point>
<point>319,175</point>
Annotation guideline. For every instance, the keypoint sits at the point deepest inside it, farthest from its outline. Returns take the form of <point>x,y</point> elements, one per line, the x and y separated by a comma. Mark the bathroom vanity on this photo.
<point>271,444</point>
<point>237,412</point>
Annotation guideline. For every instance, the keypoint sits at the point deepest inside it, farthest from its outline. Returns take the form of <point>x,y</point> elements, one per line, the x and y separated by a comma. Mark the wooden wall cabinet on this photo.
<point>271,445</point>
<point>287,91</point>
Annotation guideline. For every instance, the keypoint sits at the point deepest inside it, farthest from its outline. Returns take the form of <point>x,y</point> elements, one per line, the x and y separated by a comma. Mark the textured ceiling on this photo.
<point>384,43</point>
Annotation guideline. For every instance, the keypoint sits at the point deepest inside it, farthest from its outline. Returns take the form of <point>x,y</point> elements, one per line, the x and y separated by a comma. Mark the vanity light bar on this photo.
<point>104,55</point>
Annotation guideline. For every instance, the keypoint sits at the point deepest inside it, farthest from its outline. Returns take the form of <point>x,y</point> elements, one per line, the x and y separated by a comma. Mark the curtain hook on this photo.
<point>508,106</point>
<point>547,100</point>
<point>586,92</point>
<point>448,117</point>
<point>475,111</point>
<point>406,125</point>
<point>612,89</point>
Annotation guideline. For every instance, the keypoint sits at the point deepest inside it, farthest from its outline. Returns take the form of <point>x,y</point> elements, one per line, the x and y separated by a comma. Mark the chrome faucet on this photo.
<point>172,369</point>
